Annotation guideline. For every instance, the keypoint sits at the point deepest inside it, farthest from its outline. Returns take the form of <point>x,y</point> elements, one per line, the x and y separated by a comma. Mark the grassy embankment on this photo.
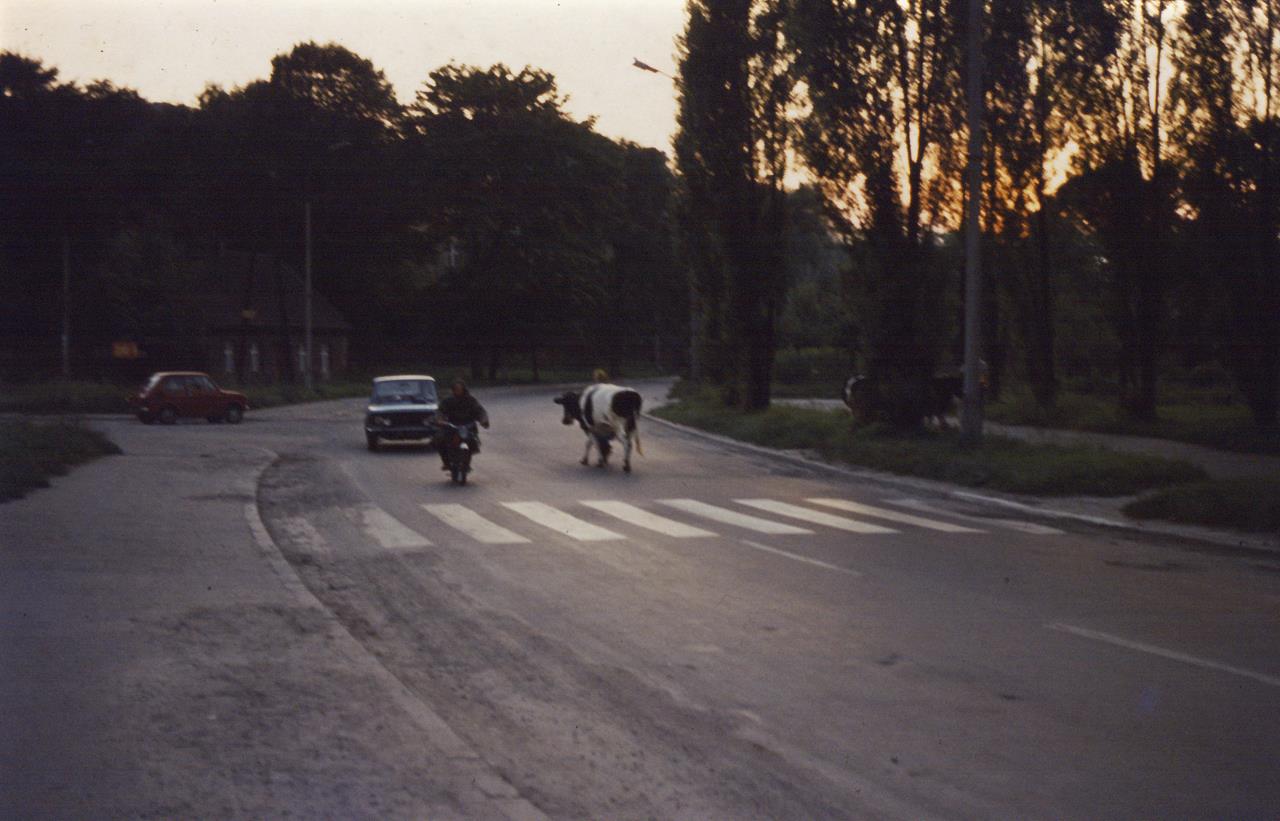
<point>999,464</point>
<point>1244,504</point>
<point>32,451</point>
<point>1198,408</point>
<point>1187,417</point>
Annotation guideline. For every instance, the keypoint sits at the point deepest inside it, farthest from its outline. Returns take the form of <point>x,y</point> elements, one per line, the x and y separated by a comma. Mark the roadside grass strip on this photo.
<point>562,522</point>
<point>733,517</point>
<point>815,516</point>
<point>33,452</point>
<point>474,525</point>
<point>650,521</point>
<point>998,463</point>
<point>1251,505</point>
<point>894,516</point>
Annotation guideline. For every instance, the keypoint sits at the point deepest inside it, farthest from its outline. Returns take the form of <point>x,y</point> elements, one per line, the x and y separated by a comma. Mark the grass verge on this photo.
<point>1227,427</point>
<point>998,464</point>
<point>1251,505</point>
<point>33,451</point>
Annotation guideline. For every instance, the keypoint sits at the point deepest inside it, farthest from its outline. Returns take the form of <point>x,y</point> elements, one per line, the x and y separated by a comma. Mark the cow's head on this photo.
<point>572,409</point>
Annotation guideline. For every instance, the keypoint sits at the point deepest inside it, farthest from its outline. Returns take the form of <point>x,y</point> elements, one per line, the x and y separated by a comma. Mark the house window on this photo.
<point>324,361</point>
<point>255,358</point>
<point>228,358</point>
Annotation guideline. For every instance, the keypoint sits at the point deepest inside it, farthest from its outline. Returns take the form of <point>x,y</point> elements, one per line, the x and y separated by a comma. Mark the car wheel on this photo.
<point>168,415</point>
<point>371,440</point>
<point>146,418</point>
<point>213,420</point>
<point>234,414</point>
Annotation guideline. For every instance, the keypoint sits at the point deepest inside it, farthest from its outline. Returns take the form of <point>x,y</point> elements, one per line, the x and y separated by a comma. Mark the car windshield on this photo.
<point>417,391</point>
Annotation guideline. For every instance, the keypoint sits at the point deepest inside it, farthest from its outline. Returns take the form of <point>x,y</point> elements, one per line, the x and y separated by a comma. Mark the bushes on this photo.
<point>811,372</point>
<point>64,397</point>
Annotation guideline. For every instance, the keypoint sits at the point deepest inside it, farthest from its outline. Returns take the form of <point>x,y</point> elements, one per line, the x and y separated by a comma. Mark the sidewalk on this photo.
<point>161,659</point>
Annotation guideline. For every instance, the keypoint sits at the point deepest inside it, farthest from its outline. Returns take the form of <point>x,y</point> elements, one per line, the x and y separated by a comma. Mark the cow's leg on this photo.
<point>586,454</point>
<point>602,445</point>
<point>626,453</point>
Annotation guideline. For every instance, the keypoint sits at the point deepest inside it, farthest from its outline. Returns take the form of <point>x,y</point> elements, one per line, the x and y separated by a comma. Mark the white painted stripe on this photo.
<point>815,516</point>
<point>1162,652</point>
<point>474,525</point>
<point>650,521</point>
<point>562,522</point>
<point>799,558</point>
<point>389,531</point>
<point>732,517</point>
<point>893,516</point>
<point>303,535</point>
<point>1007,524</point>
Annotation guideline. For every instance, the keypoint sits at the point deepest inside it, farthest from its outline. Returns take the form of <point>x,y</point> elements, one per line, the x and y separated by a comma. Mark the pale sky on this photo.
<point>168,50</point>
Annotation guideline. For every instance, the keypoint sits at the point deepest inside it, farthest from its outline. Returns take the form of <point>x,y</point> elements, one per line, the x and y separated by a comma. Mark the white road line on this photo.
<point>650,521</point>
<point>562,522</point>
<point>893,516</point>
<point>389,531</point>
<point>304,536</point>
<point>804,559</point>
<point>732,517</point>
<point>474,525</point>
<point>815,516</point>
<point>1162,652</point>
<point>1007,524</point>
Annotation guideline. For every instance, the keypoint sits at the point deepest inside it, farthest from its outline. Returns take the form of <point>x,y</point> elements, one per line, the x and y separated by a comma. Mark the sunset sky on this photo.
<point>168,50</point>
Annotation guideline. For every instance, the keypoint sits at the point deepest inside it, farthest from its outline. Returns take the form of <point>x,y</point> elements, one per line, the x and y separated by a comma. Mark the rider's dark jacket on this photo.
<point>462,410</point>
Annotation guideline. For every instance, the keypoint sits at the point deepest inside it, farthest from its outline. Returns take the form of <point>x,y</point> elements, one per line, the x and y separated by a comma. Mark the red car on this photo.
<point>172,394</point>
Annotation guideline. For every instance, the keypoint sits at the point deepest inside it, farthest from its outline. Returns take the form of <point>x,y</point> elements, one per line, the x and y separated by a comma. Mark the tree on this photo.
<point>1224,94</point>
<point>883,82</point>
<point>1043,67</point>
<point>734,87</point>
<point>523,193</point>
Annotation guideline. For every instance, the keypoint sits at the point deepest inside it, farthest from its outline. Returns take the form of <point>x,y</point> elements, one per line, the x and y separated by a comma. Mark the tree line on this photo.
<point>1129,201</point>
<point>481,221</point>
<point>1132,158</point>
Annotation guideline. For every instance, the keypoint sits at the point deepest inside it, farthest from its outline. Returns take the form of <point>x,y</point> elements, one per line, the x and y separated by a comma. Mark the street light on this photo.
<point>695,366</point>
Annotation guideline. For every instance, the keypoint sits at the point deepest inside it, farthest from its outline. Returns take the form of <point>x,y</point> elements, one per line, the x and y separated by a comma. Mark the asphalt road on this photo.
<point>704,638</point>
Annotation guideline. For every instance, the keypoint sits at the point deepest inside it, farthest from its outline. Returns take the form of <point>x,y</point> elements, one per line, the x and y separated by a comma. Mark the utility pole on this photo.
<point>971,410</point>
<point>306,311</point>
<point>66,306</point>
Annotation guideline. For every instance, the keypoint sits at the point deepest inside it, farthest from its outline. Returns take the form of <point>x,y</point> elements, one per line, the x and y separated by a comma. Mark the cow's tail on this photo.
<point>634,430</point>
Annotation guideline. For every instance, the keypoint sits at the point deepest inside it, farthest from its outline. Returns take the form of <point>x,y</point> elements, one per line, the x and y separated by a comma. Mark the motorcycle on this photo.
<point>456,444</point>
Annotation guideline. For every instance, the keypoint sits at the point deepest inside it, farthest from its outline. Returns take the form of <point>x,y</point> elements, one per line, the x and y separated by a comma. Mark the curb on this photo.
<point>493,787</point>
<point>1218,538</point>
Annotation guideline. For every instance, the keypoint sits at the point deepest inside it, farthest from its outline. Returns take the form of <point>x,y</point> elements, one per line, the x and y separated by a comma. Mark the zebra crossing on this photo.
<point>603,520</point>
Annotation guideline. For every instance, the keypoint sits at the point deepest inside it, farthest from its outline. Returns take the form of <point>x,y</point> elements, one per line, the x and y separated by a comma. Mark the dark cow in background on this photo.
<point>945,390</point>
<point>604,412</point>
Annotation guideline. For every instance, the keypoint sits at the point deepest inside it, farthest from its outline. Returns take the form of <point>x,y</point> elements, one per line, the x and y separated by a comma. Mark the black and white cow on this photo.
<point>604,412</point>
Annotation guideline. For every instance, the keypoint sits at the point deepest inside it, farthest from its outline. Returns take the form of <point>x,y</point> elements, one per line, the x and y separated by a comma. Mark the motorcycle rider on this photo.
<point>459,408</point>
